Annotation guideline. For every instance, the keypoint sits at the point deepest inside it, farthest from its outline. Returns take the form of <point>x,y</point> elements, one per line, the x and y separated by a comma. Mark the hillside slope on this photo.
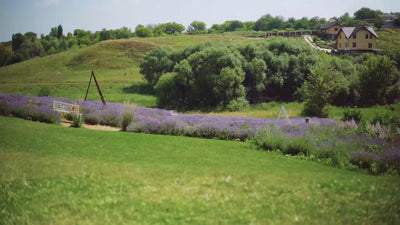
<point>115,63</point>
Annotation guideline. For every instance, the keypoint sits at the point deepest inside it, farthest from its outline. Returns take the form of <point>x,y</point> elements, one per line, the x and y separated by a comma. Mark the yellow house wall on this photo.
<point>342,41</point>
<point>361,41</point>
<point>331,30</point>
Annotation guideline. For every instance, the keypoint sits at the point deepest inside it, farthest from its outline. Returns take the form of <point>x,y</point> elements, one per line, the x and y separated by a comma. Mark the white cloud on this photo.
<point>47,3</point>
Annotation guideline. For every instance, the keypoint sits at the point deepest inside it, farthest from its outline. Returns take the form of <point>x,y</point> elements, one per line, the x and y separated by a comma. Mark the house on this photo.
<point>330,31</point>
<point>359,38</point>
<point>389,20</point>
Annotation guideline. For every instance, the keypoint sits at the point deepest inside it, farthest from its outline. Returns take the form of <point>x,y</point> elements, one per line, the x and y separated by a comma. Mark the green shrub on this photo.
<point>127,116</point>
<point>77,120</point>
<point>298,145</point>
<point>352,114</point>
<point>270,139</point>
<point>44,91</point>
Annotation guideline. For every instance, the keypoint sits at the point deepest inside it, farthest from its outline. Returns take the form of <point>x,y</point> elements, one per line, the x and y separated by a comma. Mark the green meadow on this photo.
<point>58,175</point>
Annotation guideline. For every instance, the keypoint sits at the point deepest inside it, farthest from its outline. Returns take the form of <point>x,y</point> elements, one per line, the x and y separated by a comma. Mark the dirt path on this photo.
<point>92,127</point>
<point>310,41</point>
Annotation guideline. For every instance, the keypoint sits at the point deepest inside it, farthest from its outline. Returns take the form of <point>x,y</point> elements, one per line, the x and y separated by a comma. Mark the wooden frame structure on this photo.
<point>98,88</point>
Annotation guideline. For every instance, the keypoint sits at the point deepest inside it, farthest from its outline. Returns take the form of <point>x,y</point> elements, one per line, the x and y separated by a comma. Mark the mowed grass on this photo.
<point>55,175</point>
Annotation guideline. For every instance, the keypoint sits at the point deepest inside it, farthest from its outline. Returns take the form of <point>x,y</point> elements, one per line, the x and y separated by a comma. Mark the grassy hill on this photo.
<point>69,176</point>
<point>115,64</point>
<point>389,39</point>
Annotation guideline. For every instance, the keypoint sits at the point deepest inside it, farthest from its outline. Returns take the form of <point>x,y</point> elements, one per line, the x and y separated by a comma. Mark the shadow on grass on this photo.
<point>140,88</point>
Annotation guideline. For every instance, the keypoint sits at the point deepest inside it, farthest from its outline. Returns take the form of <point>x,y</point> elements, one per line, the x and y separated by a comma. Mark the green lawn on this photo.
<point>55,175</point>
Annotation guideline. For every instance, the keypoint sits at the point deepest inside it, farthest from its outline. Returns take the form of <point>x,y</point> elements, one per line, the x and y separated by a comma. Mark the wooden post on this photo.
<point>98,88</point>
<point>87,91</point>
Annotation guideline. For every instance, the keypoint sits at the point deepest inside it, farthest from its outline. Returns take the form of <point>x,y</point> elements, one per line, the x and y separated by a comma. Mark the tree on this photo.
<point>211,78</point>
<point>196,27</point>
<point>142,31</point>
<point>216,28</point>
<point>255,78</point>
<point>232,25</point>
<point>317,88</point>
<point>267,23</point>
<point>262,23</point>
<point>123,33</point>
<point>376,76</point>
<point>30,36</point>
<point>378,22</point>
<point>79,33</point>
<point>366,13</point>
<point>106,34</point>
<point>7,56</point>
<point>167,92</point>
<point>170,28</point>
<point>17,40</point>
<point>154,64</point>
<point>53,32</point>
<point>302,23</point>
<point>59,31</point>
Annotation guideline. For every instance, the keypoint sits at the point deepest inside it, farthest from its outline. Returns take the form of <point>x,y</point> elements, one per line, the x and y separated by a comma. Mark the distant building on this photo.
<point>389,20</point>
<point>330,31</point>
<point>359,38</point>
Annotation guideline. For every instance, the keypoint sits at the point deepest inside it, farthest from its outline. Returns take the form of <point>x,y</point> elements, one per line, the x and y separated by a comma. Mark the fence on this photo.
<point>66,107</point>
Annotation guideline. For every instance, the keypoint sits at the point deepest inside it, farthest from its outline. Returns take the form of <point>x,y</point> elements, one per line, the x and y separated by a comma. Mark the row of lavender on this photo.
<point>323,139</point>
<point>148,120</point>
<point>340,144</point>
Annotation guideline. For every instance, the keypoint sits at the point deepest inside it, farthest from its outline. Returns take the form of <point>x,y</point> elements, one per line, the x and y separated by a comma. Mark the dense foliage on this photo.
<point>209,76</point>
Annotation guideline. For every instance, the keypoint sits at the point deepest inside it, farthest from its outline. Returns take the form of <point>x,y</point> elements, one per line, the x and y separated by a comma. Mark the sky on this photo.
<point>21,16</point>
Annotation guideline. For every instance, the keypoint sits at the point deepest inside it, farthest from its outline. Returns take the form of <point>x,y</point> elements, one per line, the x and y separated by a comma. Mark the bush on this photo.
<point>127,116</point>
<point>109,120</point>
<point>271,139</point>
<point>237,104</point>
<point>298,145</point>
<point>43,91</point>
<point>77,120</point>
<point>352,114</point>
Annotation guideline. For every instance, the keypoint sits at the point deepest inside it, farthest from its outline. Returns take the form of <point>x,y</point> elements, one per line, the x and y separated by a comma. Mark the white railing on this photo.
<point>65,107</point>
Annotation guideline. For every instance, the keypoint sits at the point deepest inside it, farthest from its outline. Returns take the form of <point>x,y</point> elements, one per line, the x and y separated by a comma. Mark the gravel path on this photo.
<point>310,41</point>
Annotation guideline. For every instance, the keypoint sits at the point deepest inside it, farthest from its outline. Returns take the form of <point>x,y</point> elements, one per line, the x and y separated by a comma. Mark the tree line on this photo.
<point>229,77</point>
<point>28,45</point>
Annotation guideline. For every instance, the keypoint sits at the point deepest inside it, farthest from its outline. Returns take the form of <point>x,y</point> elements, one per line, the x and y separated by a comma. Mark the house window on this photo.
<point>366,36</point>
<point>370,36</point>
<point>354,45</point>
<point>355,36</point>
<point>369,45</point>
<point>336,29</point>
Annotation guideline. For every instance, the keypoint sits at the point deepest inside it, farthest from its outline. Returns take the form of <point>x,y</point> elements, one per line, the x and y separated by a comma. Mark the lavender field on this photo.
<point>320,139</point>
